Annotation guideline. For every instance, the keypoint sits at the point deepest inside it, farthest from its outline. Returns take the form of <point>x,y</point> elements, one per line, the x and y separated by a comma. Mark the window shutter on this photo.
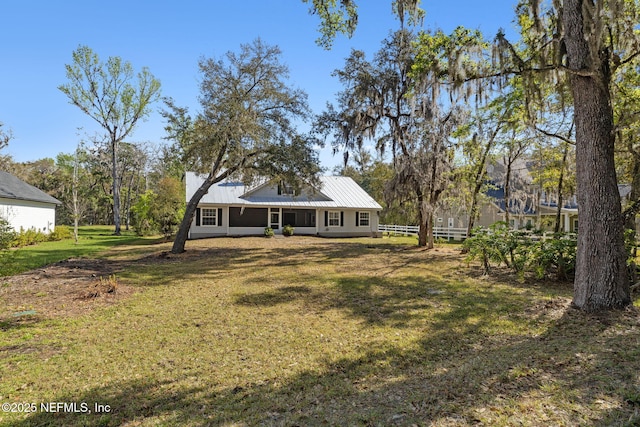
<point>341,218</point>
<point>197,217</point>
<point>279,189</point>
<point>357,219</point>
<point>326,218</point>
<point>219,218</point>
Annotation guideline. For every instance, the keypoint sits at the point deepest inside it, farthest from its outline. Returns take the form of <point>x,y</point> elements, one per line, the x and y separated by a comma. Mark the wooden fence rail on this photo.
<point>449,233</point>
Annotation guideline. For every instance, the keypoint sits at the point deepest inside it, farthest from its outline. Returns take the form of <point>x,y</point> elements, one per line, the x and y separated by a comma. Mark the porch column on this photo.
<point>567,223</point>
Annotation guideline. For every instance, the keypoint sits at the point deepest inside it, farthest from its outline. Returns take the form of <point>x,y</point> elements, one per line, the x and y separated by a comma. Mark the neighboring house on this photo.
<point>25,206</point>
<point>530,207</point>
<point>338,208</point>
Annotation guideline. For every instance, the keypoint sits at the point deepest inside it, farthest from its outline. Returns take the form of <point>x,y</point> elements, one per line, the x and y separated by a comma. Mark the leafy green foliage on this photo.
<point>115,97</point>
<point>523,252</point>
<point>7,235</point>
<point>246,128</point>
<point>142,215</point>
<point>555,255</point>
<point>287,230</point>
<point>60,232</point>
<point>167,206</point>
<point>29,237</point>
<point>160,211</point>
<point>341,16</point>
<point>268,232</point>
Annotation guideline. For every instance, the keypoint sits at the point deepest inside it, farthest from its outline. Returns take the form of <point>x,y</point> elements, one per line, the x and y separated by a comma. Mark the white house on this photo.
<point>25,206</point>
<point>338,208</point>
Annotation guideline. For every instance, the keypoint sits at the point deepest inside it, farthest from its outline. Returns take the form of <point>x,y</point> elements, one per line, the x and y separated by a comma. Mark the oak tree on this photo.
<point>246,127</point>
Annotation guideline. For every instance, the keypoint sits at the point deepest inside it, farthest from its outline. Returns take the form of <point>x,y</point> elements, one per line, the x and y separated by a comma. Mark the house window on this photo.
<point>363,219</point>
<point>286,189</point>
<point>575,225</point>
<point>208,217</point>
<point>334,219</point>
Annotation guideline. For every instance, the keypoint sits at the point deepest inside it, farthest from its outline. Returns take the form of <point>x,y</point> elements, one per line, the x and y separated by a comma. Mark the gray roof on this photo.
<point>334,192</point>
<point>12,187</point>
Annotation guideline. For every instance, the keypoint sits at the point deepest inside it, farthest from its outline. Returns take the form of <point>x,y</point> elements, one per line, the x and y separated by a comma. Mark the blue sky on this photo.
<point>169,37</point>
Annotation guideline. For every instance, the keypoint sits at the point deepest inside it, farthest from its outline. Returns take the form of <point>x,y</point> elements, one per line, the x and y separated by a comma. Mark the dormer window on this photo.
<point>285,189</point>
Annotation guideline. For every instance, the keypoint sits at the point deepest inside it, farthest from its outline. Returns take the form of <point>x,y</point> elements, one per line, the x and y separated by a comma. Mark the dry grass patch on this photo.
<point>308,331</point>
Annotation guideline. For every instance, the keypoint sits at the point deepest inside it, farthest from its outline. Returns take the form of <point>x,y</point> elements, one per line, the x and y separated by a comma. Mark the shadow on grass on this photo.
<point>578,362</point>
<point>473,365</point>
<point>28,258</point>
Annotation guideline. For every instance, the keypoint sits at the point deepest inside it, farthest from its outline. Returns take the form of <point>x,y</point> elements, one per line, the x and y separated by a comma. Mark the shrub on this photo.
<point>490,245</point>
<point>60,232</point>
<point>8,263</point>
<point>554,256</point>
<point>29,237</point>
<point>143,223</point>
<point>523,252</point>
<point>7,235</point>
<point>161,211</point>
<point>268,232</point>
<point>287,230</point>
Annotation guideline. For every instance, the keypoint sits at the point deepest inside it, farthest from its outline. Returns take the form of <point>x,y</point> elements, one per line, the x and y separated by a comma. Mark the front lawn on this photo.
<point>308,331</point>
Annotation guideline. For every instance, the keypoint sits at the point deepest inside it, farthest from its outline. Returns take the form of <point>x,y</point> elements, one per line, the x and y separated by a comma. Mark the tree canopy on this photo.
<point>247,126</point>
<point>114,96</point>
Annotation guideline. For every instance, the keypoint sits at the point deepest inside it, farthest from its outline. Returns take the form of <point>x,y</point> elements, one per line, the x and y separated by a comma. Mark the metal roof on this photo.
<point>12,187</point>
<point>334,192</point>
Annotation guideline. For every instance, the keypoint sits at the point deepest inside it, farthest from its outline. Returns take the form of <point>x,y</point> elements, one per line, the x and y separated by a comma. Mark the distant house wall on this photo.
<point>25,214</point>
<point>489,214</point>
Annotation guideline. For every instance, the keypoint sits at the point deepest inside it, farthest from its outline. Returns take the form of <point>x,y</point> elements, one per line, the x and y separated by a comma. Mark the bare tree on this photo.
<point>115,97</point>
<point>5,136</point>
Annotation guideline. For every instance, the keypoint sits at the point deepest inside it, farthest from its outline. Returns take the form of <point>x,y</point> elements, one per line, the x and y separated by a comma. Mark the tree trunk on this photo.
<point>189,214</point>
<point>481,174</point>
<point>74,193</point>
<point>430,239</point>
<point>602,280</point>
<point>556,229</point>
<point>116,187</point>
<point>422,229</point>
<point>507,190</point>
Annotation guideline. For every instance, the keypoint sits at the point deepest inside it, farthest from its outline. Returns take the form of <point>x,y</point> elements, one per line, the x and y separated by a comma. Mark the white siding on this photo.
<point>348,227</point>
<point>24,214</point>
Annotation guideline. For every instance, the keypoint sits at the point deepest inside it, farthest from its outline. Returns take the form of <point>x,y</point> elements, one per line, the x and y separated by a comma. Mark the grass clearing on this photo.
<point>92,240</point>
<point>309,331</point>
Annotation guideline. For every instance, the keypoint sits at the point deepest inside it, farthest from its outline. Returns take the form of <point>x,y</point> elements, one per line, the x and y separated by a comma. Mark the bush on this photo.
<point>268,232</point>
<point>9,265</point>
<point>60,232</point>
<point>7,235</point>
<point>555,256</point>
<point>287,230</point>
<point>29,237</point>
<point>161,211</point>
<point>490,245</point>
<point>523,252</point>
<point>143,223</point>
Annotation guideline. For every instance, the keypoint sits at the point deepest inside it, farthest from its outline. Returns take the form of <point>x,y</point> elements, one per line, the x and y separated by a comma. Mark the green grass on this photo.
<point>307,331</point>
<point>92,239</point>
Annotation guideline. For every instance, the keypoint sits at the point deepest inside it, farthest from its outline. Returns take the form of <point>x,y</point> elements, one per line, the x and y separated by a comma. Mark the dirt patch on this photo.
<point>67,288</point>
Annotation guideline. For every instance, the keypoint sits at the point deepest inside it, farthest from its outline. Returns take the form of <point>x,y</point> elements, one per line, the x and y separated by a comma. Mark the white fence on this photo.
<point>412,230</point>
